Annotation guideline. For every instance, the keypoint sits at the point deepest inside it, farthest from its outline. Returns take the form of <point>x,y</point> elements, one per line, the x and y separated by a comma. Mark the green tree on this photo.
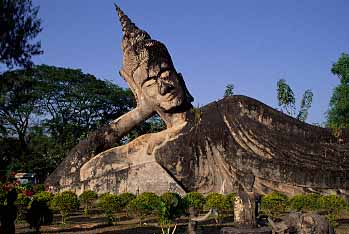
<point>229,90</point>
<point>19,25</point>
<point>287,101</point>
<point>22,203</point>
<point>274,204</point>
<point>110,203</point>
<point>219,203</point>
<point>65,202</point>
<point>195,200</point>
<point>39,214</point>
<point>87,198</point>
<point>46,110</point>
<point>286,98</point>
<point>332,204</point>
<point>143,205</point>
<point>171,207</point>
<point>126,198</point>
<point>306,102</point>
<point>308,202</point>
<point>338,114</point>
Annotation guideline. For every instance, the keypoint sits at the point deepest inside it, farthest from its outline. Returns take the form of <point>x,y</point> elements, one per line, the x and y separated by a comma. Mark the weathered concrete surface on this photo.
<point>241,141</point>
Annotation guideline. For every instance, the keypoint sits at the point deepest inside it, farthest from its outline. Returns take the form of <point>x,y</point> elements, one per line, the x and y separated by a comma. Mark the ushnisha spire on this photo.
<point>132,34</point>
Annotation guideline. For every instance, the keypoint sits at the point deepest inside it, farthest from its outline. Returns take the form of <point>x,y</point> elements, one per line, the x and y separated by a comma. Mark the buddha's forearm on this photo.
<point>98,141</point>
<point>107,136</point>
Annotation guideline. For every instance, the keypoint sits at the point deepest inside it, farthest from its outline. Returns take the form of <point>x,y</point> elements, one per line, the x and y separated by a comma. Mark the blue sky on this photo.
<point>251,44</point>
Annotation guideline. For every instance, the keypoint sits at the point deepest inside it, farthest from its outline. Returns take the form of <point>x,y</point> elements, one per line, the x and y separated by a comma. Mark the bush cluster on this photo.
<point>65,202</point>
<point>275,204</point>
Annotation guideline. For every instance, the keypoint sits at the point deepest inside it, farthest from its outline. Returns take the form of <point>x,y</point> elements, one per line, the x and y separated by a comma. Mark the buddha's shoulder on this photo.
<point>247,113</point>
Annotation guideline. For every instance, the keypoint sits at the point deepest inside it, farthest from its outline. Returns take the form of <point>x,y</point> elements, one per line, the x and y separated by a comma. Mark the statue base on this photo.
<point>245,230</point>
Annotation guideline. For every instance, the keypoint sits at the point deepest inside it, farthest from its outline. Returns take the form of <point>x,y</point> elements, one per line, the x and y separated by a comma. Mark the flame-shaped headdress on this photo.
<point>138,47</point>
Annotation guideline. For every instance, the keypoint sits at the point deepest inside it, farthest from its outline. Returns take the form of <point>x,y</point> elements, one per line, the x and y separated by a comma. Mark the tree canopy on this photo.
<point>287,101</point>
<point>45,111</point>
<point>19,25</point>
<point>338,114</point>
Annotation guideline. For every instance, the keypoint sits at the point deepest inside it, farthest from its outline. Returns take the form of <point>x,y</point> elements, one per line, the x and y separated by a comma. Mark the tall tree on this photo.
<point>287,101</point>
<point>306,102</point>
<point>44,111</point>
<point>19,25</point>
<point>229,90</point>
<point>338,114</point>
<point>285,96</point>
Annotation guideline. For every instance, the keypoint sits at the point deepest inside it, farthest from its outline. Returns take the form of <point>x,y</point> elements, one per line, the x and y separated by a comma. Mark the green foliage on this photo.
<point>126,198</point>
<point>308,202</point>
<point>230,200</point>
<point>219,202</point>
<point>65,202</point>
<point>332,204</point>
<point>195,200</point>
<point>285,96</point>
<point>87,198</point>
<point>145,204</point>
<point>44,197</point>
<point>341,68</point>
<point>306,102</point>
<point>338,114</point>
<point>19,26</point>
<point>39,214</point>
<point>229,90</point>
<point>274,204</point>
<point>39,188</point>
<point>171,207</point>
<point>3,195</point>
<point>21,203</point>
<point>46,110</point>
<point>287,100</point>
<point>110,203</point>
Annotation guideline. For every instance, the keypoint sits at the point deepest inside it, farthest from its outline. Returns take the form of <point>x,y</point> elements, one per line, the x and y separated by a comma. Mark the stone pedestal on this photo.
<point>245,230</point>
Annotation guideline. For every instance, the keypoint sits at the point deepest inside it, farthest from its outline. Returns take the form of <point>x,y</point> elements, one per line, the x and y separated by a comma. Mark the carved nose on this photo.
<point>165,87</point>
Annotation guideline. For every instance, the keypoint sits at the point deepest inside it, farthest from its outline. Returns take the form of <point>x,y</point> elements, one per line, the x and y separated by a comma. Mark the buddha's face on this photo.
<point>160,86</point>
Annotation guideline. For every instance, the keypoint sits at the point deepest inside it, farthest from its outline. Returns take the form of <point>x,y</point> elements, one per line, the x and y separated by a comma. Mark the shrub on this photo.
<point>145,204</point>
<point>39,214</point>
<point>219,203</point>
<point>65,202</point>
<point>21,203</point>
<point>332,204</point>
<point>39,188</point>
<point>274,204</point>
<point>126,198</point>
<point>195,200</point>
<point>87,198</point>
<point>43,197</point>
<point>3,195</point>
<point>309,202</point>
<point>109,203</point>
<point>171,207</point>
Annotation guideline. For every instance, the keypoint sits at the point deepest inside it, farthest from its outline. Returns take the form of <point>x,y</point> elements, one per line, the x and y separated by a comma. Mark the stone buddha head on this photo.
<point>149,70</point>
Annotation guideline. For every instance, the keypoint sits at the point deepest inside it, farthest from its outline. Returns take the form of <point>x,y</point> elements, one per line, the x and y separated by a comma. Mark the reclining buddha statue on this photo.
<point>235,144</point>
